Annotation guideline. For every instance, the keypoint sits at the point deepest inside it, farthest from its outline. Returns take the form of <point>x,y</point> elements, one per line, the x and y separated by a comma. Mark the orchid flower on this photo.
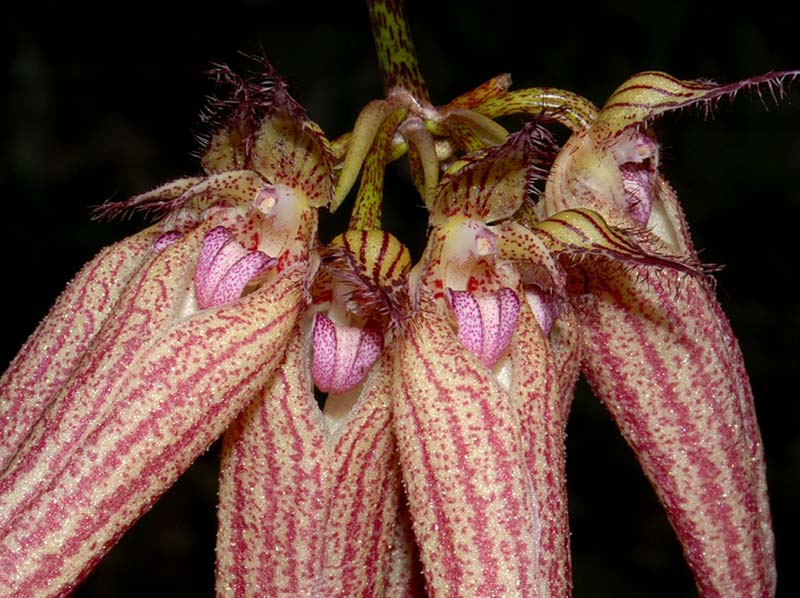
<point>390,428</point>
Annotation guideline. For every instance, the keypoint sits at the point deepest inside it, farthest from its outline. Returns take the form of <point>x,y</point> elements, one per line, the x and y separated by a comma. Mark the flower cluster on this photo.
<point>390,428</point>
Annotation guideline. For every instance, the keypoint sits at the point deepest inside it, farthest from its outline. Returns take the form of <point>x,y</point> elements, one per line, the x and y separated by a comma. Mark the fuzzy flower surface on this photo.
<point>391,427</point>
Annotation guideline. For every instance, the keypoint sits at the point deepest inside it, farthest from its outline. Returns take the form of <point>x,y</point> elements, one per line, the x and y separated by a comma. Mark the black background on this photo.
<point>99,105</point>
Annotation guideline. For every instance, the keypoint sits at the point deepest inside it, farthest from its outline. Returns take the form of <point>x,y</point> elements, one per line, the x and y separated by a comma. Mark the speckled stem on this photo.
<point>396,55</point>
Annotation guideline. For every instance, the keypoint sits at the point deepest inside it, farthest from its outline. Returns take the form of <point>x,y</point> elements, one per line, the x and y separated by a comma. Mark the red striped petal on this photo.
<point>470,493</point>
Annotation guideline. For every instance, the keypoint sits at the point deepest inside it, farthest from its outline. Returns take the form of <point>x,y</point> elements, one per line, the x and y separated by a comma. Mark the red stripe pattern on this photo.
<point>470,493</point>
<point>51,353</point>
<point>661,356</point>
<point>111,444</point>
<point>308,501</point>
<point>657,348</point>
<point>543,401</point>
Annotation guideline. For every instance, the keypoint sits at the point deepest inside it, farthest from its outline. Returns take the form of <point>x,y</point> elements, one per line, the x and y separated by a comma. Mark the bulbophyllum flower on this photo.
<point>309,497</point>
<point>158,343</point>
<point>659,351</point>
<point>390,428</point>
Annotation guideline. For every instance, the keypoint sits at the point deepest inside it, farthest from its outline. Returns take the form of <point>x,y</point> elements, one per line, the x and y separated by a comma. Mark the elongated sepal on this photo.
<point>368,208</point>
<point>667,366</point>
<point>365,485</point>
<point>565,107</point>
<point>51,353</point>
<point>542,390</point>
<point>423,162</point>
<point>404,575</point>
<point>584,232</point>
<point>120,444</point>
<point>485,323</point>
<point>271,489</point>
<point>650,94</point>
<point>470,492</point>
<point>342,355</point>
<point>225,268</point>
<point>473,126</point>
<point>304,511</point>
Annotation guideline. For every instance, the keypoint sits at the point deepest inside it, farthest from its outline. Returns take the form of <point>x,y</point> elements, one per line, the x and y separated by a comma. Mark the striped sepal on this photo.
<point>565,107</point>
<point>543,401</point>
<point>272,495</point>
<point>404,577</point>
<point>374,265</point>
<point>305,511</point>
<point>662,357</point>
<point>153,401</point>
<point>423,161</point>
<point>649,94</point>
<point>294,152</point>
<point>368,209</point>
<point>491,185</point>
<point>584,232</point>
<point>470,493</point>
<point>53,351</point>
<point>359,144</point>
<point>151,300</point>
<point>364,479</point>
<point>257,125</point>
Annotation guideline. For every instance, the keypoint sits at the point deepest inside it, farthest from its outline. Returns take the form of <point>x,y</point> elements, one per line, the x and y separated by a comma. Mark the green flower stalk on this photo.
<point>391,428</point>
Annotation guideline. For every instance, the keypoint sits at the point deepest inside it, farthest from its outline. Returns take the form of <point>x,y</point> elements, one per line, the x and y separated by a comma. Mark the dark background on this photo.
<point>99,105</point>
